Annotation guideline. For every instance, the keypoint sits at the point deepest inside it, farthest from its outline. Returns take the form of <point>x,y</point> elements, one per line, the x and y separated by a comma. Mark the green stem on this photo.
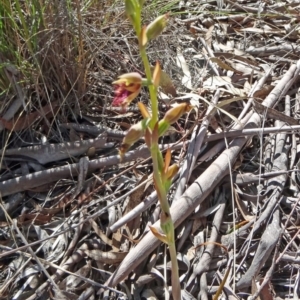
<point>176,290</point>
<point>167,225</point>
<point>152,88</point>
<point>154,120</point>
<point>156,174</point>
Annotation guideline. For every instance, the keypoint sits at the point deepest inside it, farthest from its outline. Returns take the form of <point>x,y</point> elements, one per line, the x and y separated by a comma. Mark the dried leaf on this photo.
<point>103,236</point>
<point>162,237</point>
<point>109,258</point>
<point>187,77</point>
<point>262,31</point>
<point>242,207</point>
<point>263,92</point>
<point>58,248</point>
<point>34,218</point>
<point>222,65</point>
<point>208,35</point>
<point>266,292</point>
<point>215,82</point>
<point>71,282</point>
<point>273,113</point>
<point>26,121</point>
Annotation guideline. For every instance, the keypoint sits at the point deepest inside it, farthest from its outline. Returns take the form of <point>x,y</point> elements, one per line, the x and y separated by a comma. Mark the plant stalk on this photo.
<point>176,290</point>
<point>152,88</point>
<point>166,220</point>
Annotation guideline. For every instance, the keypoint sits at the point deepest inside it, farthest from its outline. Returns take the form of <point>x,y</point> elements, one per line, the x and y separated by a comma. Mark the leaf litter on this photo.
<point>75,220</point>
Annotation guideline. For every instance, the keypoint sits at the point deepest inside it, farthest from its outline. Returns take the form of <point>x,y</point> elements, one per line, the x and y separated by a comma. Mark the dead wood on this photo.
<point>36,179</point>
<point>266,245</point>
<point>55,152</point>
<point>204,262</point>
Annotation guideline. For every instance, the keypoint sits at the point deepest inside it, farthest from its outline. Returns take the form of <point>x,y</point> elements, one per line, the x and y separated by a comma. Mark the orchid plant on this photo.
<point>128,86</point>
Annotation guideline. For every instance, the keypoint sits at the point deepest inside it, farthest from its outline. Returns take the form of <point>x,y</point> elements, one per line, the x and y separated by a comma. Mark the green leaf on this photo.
<point>163,127</point>
<point>131,7</point>
<point>167,184</point>
<point>160,160</point>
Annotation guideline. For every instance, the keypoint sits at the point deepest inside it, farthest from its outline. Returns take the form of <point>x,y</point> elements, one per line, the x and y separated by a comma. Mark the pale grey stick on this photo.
<point>15,225</point>
<point>255,88</point>
<point>253,131</point>
<point>151,199</point>
<point>266,245</point>
<point>35,179</point>
<point>205,260</point>
<point>54,152</point>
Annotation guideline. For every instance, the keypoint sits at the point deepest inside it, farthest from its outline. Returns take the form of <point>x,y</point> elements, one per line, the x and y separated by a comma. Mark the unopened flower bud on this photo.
<point>156,27</point>
<point>135,132</point>
<point>168,176</point>
<point>172,171</point>
<point>173,114</point>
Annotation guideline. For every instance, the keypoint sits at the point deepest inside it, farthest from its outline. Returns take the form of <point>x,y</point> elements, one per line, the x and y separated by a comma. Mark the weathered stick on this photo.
<point>26,182</point>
